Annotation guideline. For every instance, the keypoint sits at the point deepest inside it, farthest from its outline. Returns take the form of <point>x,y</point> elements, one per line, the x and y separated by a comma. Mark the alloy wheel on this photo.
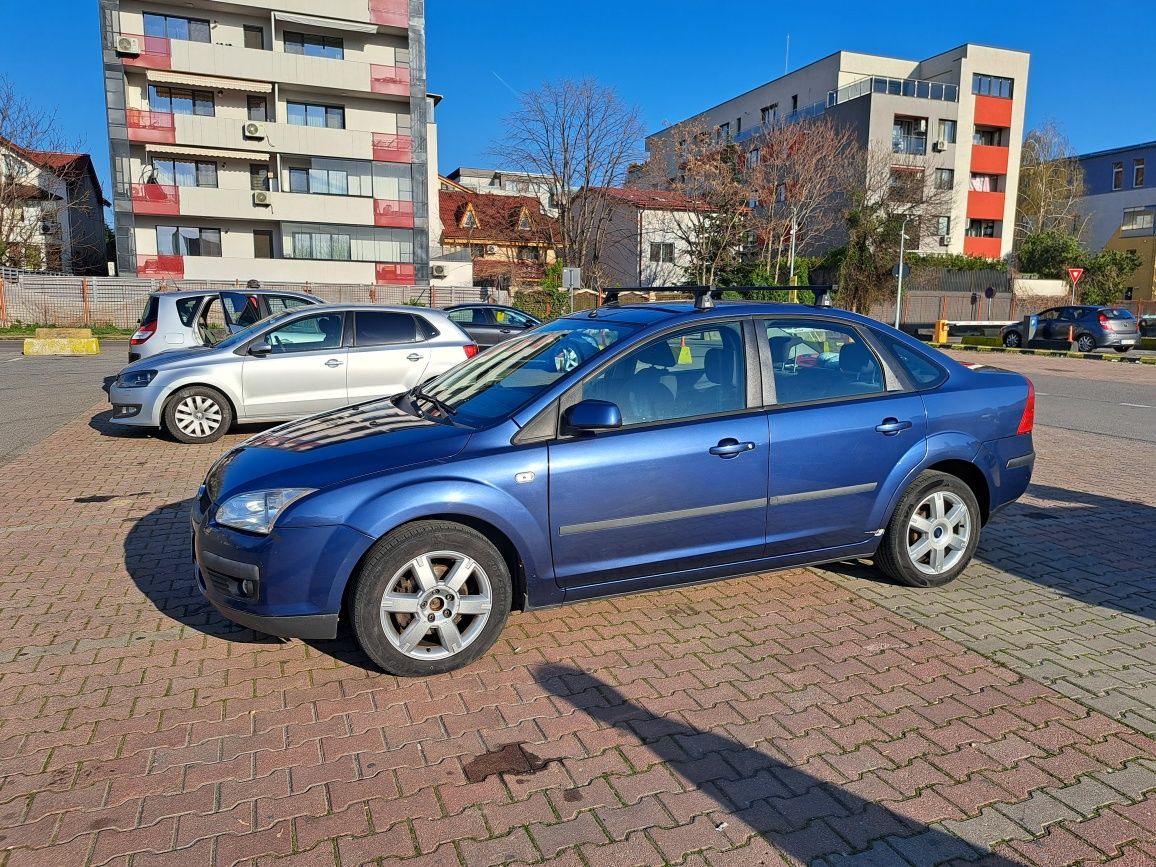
<point>938,532</point>
<point>198,416</point>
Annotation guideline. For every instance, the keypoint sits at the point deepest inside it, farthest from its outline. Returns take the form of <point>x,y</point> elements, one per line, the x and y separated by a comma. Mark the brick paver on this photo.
<point>789,718</point>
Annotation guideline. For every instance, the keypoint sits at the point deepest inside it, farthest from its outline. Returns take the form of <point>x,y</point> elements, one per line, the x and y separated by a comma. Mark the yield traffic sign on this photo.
<point>1074,274</point>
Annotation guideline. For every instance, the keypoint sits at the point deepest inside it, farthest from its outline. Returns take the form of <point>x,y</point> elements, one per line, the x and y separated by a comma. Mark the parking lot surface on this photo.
<point>810,716</point>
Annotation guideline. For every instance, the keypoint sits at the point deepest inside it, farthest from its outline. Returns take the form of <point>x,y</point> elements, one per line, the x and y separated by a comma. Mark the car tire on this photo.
<point>927,543</point>
<point>1123,349</point>
<point>1012,340</point>
<point>411,573</point>
<point>1086,343</point>
<point>198,414</point>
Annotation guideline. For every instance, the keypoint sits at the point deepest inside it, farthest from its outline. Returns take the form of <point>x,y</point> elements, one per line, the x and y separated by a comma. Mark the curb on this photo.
<point>1048,353</point>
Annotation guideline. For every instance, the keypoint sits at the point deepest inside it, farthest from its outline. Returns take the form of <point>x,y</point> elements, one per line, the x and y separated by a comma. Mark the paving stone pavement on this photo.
<point>790,718</point>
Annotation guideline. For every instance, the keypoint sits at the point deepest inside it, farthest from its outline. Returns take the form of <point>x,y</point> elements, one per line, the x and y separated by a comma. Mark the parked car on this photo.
<point>1147,325</point>
<point>615,450</point>
<point>302,361</point>
<point>179,320</point>
<point>490,324</point>
<point>1089,326</point>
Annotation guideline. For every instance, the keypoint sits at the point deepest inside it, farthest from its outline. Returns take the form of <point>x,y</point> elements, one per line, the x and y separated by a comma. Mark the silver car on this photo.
<point>179,320</point>
<point>297,363</point>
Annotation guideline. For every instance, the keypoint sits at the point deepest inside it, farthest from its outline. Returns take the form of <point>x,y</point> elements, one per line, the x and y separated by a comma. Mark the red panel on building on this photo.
<point>993,111</point>
<point>393,212</point>
<point>162,199</point>
<point>392,148</point>
<point>985,206</point>
<point>389,79</point>
<point>989,159</point>
<point>986,247</point>
<point>395,274</point>
<point>150,126</point>
<point>155,52</point>
<point>392,13</point>
<point>160,266</point>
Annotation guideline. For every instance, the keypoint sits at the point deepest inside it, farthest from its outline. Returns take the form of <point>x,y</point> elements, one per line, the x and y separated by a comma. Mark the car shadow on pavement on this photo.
<point>159,559</point>
<point>102,423</point>
<point>804,817</point>
<point>1088,547</point>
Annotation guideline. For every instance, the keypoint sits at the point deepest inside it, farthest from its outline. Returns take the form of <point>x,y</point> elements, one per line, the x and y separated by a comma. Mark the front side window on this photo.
<point>512,318</point>
<point>177,27</point>
<point>179,101</point>
<point>313,45</point>
<point>694,372</point>
<point>383,328</point>
<point>308,114</point>
<point>185,241</point>
<point>818,360</point>
<point>307,334</point>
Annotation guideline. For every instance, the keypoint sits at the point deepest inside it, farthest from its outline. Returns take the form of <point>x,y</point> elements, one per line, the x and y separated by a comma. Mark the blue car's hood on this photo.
<point>333,447</point>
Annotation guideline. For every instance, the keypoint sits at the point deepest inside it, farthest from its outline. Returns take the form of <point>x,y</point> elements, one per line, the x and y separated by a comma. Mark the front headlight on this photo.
<point>256,511</point>
<point>136,378</point>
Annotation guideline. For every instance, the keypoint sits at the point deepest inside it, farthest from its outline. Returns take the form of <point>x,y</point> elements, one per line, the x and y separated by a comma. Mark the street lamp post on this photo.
<point>794,231</point>
<point>899,288</point>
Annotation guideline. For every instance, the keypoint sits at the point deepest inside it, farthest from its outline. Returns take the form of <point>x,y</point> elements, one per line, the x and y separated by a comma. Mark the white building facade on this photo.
<point>645,242</point>
<point>281,141</point>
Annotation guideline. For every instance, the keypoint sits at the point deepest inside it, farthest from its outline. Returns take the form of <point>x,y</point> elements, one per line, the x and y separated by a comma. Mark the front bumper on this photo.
<point>140,407</point>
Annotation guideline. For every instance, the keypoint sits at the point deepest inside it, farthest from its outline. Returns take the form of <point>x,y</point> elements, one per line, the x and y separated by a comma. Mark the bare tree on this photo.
<point>1051,185</point>
<point>580,135</point>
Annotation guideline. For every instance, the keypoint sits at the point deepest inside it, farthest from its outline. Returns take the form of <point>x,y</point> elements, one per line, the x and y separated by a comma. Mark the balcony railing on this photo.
<point>160,266</point>
<point>909,144</point>
<point>392,13</point>
<point>395,213</point>
<point>155,53</point>
<point>161,199</point>
<point>389,79</point>
<point>392,148</point>
<point>150,126</point>
<point>398,274</point>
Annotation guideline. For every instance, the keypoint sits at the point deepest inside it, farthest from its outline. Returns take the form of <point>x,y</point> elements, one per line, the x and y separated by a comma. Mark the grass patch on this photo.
<point>24,329</point>
<point>976,340</point>
<point>1147,343</point>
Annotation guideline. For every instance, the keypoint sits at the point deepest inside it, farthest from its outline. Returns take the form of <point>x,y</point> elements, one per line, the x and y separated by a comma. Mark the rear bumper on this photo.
<point>1008,464</point>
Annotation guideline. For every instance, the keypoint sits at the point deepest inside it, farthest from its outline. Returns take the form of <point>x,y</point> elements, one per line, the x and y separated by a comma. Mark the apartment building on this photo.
<point>1120,204</point>
<point>951,122</point>
<point>281,140</point>
<point>508,183</point>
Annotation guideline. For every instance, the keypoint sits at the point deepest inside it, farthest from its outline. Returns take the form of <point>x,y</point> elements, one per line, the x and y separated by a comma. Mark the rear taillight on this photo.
<point>1104,322</point>
<point>471,349</point>
<point>143,333</point>
<point>1028,419</point>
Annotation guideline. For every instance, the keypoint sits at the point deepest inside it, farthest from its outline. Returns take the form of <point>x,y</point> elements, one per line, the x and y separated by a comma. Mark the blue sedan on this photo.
<point>616,450</point>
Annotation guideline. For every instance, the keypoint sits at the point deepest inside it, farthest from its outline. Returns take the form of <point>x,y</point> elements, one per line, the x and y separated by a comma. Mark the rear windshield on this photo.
<point>1117,313</point>
<point>150,312</point>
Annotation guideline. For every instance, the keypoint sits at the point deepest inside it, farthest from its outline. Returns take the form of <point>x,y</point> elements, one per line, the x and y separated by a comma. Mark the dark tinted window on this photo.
<point>377,329</point>
<point>186,309</point>
<point>925,372</point>
<point>150,311</point>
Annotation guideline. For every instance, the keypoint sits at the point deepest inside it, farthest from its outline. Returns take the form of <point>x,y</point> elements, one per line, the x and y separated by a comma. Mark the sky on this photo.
<point>1091,68</point>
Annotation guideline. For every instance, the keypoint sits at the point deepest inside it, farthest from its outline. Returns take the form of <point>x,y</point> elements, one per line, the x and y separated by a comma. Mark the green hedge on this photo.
<point>976,340</point>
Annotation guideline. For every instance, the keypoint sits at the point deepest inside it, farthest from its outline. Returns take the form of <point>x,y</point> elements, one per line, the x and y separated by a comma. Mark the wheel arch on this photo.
<point>973,477</point>
<point>168,398</point>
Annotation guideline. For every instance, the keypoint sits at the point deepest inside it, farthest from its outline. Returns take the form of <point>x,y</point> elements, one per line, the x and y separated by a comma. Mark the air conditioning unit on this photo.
<point>129,45</point>
<point>945,240</point>
<point>437,270</point>
<point>940,145</point>
<point>254,130</point>
<point>262,198</point>
<point>491,249</point>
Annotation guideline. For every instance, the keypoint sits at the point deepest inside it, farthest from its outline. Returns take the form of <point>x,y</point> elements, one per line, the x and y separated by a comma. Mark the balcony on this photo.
<point>225,132</point>
<point>993,111</point>
<point>393,80</point>
<point>393,212</point>
<point>157,199</point>
<point>909,144</point>
<point>395,274</point>
<point>157,127</point>
<point>391,13</point>
<point>390,148</point>
<point>238,204</point>
<point>989,159</point>
<point>160,266</point>
<point>989,248</point>
<point>155,52</point>
<point>985,206</point>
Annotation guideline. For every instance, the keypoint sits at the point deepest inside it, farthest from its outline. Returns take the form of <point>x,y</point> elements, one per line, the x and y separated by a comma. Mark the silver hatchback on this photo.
<point>297,363</point>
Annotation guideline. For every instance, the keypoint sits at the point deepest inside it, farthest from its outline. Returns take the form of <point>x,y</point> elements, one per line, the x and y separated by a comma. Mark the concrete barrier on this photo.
<point>57,333</point>
<point>62,341</point>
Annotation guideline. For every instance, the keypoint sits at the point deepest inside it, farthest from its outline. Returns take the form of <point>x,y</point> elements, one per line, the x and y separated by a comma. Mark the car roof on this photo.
<point>659,311</point>
<point>195,293</point>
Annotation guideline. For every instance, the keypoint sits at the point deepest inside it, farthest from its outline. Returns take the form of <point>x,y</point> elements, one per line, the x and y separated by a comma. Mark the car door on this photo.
<point>390,354</point>
<point>478,323</point>
<point>838,426</point>
<point>241,310</point>
<point>303,372</point>
<point>682,484</point>
<point>1046,326</point>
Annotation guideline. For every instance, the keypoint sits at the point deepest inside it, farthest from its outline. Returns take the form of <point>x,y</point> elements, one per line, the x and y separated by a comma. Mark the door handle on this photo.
<point>504,330</point>
<point>891,426</point>
<point>413,356</point>
<point>333,362</point>
<point>730,448</point>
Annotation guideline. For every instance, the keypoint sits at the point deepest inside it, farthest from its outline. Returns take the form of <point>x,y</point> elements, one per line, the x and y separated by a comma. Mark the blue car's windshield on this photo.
<point>490,386</point>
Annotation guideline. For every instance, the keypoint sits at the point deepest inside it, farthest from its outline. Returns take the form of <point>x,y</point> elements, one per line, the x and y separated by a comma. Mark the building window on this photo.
<point>259,176</point>
<point>1138,174</point>
<point>944,179</point>
<point>181,241</point>
<point>661,252</point>
<point>331,245</point>
<point>738,125</point>
<point>1138,219</point>
<point>981,228</point>
<point>752,158</point>
<point>178,101</point>
<point>186,173</point>
<point>312,45</point>
<point>991,85</point>
<point>943,226</point>
<point>258,108</point>
<point>724,132</point>
<point>254,36</point>
<point>794,103</point>
<point>947,131</point>
<point>986,136</point>
<point>906,184</point>
<point>304,114</point>
<point>1118,176</point>
<point>347,243</point>
<point>177,27</point>
<point>262,243</point>
<point>528,254</point>
<point>769,113</point>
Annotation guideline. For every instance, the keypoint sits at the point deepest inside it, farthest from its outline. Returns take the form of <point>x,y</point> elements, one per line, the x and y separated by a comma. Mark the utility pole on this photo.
<point>899,288</point>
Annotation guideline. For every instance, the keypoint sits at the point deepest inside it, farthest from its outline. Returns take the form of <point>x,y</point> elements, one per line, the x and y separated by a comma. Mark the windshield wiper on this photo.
<point>439,404</point>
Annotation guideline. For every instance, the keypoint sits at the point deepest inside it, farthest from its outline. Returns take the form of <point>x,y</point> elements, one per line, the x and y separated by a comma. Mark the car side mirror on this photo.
<point>260,349</point>
<point>591,416</point>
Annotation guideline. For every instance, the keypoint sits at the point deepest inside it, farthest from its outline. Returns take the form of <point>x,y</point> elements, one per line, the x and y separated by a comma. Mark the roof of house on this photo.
<point>30,192</point>
<point>647,200</point>
<point>497,218</point>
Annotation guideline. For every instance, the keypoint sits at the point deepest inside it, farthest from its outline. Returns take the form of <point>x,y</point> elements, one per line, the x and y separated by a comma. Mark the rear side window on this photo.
<point>281,303</point>
<point>925,372</point>
<point>152,306</point>
<point>379,329</point>
<point>468,316</point>
<point>815,360</point>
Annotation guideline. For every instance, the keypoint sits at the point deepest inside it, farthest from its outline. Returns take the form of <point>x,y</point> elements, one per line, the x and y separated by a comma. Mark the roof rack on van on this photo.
<point>706,296</point>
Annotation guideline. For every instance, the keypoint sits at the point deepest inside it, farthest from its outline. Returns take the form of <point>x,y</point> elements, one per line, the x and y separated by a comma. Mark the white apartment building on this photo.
<point>955,119</point>
<point>281,140</point>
